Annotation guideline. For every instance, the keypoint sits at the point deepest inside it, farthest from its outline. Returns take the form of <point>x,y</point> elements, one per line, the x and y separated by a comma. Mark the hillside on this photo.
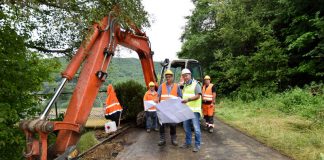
<point>120,70</point>
<point>123,69</point>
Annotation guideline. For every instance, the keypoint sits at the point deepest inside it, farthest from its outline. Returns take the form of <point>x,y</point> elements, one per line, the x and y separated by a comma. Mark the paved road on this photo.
<point>225,143</point>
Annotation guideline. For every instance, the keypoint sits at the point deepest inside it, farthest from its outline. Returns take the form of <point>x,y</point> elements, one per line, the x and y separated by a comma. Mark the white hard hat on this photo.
<point>185,71</point>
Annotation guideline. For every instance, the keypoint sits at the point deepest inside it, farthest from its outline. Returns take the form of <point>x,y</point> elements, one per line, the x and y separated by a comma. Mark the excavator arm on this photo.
<point>95,54</point>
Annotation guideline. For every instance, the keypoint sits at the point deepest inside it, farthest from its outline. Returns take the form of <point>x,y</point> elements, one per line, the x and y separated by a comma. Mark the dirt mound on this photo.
<point>108,151</point>
<point>100,134</point>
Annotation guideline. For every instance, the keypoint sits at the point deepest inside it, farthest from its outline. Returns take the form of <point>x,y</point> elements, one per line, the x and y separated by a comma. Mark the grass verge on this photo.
<point>292,135</point>
<point>86,141</point>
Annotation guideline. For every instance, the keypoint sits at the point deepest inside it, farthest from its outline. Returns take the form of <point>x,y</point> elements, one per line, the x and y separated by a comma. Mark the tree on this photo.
<point>53,26</point>
<point>269,45</point>
<point>32,31</point>
<point>22,73</point>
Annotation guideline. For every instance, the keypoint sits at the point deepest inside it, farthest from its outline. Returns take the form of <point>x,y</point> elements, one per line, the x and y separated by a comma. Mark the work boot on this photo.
<point>185,146</point>
<point>162,140</point>
<point>210,129</point>
<point>148,130</point>
<point>161,143</point>
<point>174,140</point>
<point>196,149</point>
<point>206,126</point>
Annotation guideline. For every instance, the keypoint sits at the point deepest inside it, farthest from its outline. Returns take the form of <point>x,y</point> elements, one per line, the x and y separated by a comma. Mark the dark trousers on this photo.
<point>173,131</point>
<point>209,119</point>
<point>114,117</point>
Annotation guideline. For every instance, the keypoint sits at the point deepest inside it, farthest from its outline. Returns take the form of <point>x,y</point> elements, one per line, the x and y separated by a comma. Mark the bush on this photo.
<point>303,102</point>
<point>249,92</point>
<point>295,100</point>
<point>130,95</point>
<point>307,102</point>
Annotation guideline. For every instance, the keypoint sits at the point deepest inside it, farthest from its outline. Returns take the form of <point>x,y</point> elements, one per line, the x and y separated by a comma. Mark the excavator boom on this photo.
<point>95,54</point>
<point>89,83</point>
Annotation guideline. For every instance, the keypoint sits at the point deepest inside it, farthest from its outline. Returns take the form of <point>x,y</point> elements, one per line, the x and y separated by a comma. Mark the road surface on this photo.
<point>225,143</point>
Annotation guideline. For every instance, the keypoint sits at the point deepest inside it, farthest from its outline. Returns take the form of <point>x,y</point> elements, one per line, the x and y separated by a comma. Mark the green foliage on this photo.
<point>41,25</point>
<point>130,95</point>
<point>302,102</point>
<point>63,24</point>
<point>291,121</point>
<point>292,135</point>
<point>307,102</point>
<point>268,45</point>
<point>86,141</point>
<point>22,73</point>
<point>248,92</point>
<point>124,69</point>
<point>119,70</point>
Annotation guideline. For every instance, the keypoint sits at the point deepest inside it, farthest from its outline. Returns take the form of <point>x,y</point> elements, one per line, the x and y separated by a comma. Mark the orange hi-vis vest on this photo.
<point>207,93</point>
<point>149,96</point>
<point>173,93</point>
<point>112,103</point>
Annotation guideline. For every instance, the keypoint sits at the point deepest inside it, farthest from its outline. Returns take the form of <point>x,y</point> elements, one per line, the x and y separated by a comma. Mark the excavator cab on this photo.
<point>178,65</point>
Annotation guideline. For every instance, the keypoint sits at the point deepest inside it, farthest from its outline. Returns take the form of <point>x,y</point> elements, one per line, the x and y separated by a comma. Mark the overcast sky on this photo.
<point>167,24</point>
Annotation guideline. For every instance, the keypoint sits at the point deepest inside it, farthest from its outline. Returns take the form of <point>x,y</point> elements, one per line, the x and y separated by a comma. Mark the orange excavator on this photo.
<point>95,54</point>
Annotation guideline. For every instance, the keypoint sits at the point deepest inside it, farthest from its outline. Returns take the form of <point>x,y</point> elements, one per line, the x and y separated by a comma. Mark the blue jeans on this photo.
<point>196,125</point>
<point>151,120</point>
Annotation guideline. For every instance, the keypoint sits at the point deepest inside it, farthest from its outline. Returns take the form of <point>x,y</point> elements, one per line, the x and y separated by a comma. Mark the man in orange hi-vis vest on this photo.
<point>208,101</point>
<point>168,90</point>
<point>113,108</point>
<point>150,113</point>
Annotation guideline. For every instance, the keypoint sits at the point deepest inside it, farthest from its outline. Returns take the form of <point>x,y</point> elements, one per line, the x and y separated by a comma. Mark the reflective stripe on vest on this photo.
<point>173,93</point>
<point>189,91</point>
<point>207,93</point>
<point>113,108</point>
<point>112,105</point>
